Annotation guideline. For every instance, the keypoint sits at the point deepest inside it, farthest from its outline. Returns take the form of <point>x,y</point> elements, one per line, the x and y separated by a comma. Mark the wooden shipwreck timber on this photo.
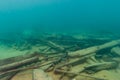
<point>63,64</point>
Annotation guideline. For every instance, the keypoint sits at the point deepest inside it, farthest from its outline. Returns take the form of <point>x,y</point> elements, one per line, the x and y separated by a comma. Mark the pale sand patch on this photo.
<point>6,52</point>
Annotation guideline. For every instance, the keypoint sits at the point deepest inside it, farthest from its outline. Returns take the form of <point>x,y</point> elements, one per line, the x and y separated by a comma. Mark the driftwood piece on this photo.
<point>94,49</point>
<point>75,61</point>
<point>53,45</point>
<point>40,65</point>
<point>78,74</point>
<point>100,66</point>
<point>90,68</point>
<point>16,58</point>
<point>17,64</point>
<point>88,77</point>
<point>7,76</point>
<point>116,50</point>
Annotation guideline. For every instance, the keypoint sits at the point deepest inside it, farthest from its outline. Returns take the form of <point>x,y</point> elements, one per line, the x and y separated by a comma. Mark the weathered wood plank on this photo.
<point>94,49</point>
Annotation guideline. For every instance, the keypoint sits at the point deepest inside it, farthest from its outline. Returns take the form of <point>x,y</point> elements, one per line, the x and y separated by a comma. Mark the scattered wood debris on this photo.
<point>59,62</point>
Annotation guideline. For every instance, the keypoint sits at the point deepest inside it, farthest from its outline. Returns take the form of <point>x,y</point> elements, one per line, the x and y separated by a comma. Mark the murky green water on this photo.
<point>31,18</point>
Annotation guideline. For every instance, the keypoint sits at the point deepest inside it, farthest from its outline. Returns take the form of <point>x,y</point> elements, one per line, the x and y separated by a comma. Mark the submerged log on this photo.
<point>78,74</point>
<point>15,62</point>
<point>53,45</point>
<point>116,50</point>
<point>26,68</point>
<point>100,66</point>
<point>94,49</point>
<point>17,58</point>
<point>7,76</point>
<point>75,61</point>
